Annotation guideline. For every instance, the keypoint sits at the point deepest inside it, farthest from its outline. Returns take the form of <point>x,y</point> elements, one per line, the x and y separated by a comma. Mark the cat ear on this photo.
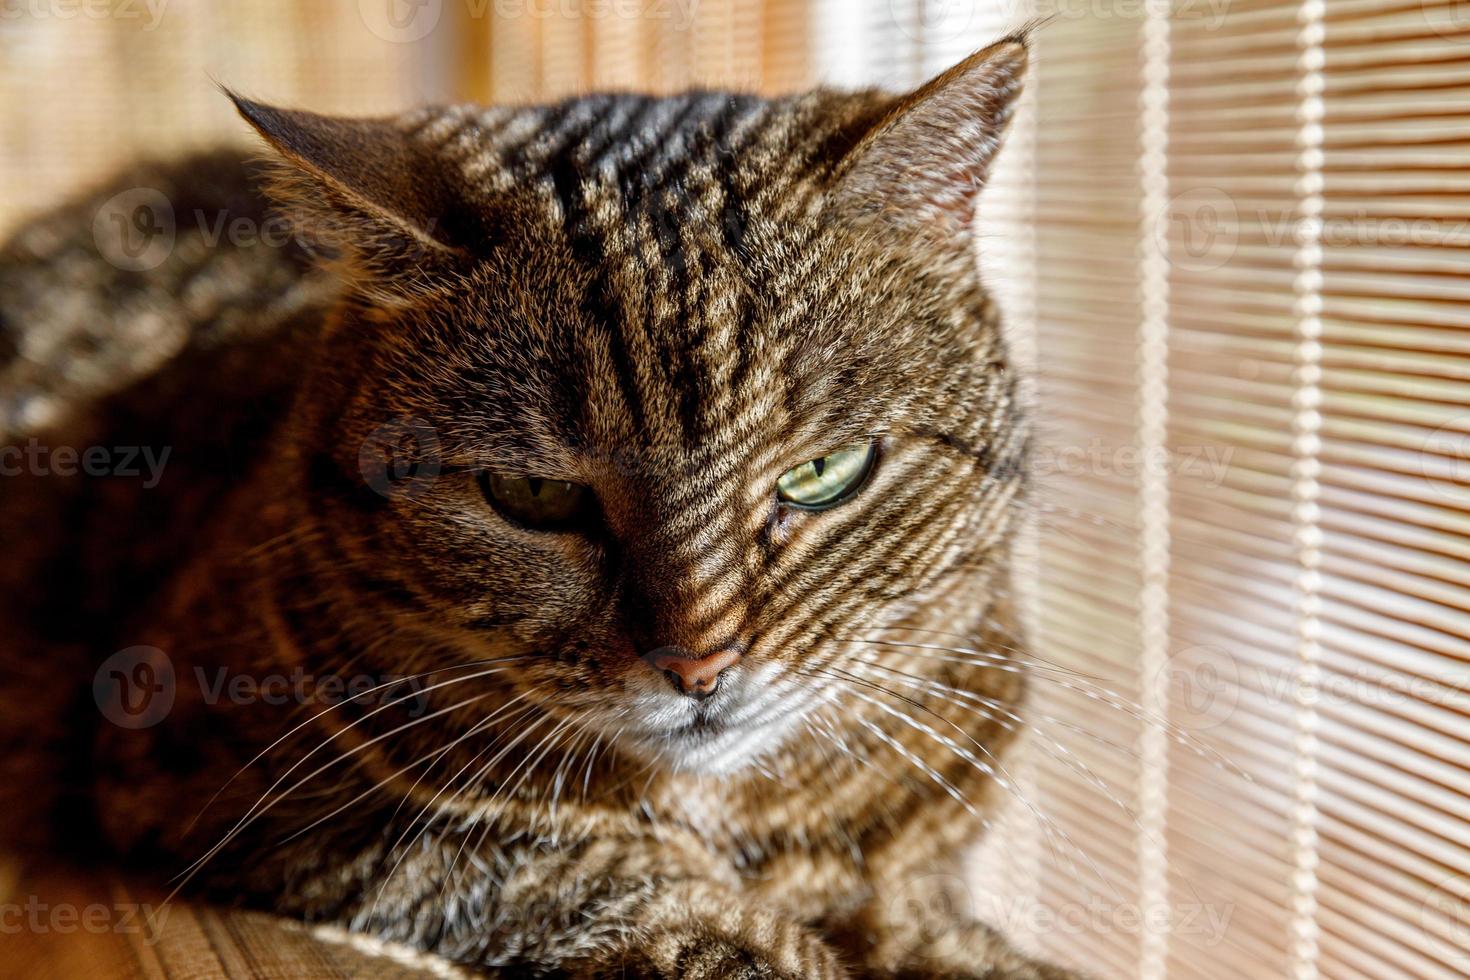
<point>922,166</point>
<point>362,192</point>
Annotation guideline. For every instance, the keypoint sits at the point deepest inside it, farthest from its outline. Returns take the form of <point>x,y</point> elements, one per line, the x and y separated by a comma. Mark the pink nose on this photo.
<point>696,676</point>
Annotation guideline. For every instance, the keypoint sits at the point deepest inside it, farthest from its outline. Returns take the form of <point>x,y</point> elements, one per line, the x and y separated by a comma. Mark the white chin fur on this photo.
<point>751,715</point>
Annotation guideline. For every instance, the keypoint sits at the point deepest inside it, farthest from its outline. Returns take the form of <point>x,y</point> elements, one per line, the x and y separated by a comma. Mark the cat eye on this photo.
<point>829,480</point>
<point>540,504</point>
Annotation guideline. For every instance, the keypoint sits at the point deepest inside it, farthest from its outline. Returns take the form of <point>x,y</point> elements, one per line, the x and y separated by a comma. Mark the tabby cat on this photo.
<point>654,460</point>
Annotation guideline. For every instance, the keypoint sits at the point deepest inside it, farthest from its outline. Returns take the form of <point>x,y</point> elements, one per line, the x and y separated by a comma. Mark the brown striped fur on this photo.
<point>669,300</point>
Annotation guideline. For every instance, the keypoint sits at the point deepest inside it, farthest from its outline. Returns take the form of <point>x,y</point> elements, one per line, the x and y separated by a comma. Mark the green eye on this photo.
<point>826,482</point>
<point>545,505</point>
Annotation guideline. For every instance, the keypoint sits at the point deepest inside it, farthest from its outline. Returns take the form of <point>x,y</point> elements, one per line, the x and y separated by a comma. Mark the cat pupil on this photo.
<point>534,483</point>
<point>819,465</point>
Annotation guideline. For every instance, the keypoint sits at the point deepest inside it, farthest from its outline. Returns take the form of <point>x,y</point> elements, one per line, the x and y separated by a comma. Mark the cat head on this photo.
<point>662,404</point>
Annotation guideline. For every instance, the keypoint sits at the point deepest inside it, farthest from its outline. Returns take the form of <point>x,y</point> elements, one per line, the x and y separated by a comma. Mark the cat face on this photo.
<point>664,403</point>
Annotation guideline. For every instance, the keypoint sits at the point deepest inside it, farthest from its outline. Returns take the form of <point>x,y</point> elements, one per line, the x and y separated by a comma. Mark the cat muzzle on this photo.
<point>696,676</point>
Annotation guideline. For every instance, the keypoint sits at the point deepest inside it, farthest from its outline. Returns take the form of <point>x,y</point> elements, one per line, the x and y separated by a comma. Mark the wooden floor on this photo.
<point>63,926</point>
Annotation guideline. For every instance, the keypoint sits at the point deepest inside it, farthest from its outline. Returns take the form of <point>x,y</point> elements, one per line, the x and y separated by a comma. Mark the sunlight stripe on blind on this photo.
<point>1306,466</point>
<point>1153,484</point>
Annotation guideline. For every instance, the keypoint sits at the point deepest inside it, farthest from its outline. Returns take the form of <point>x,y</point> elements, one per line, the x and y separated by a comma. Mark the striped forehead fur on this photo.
<point>678,284</point>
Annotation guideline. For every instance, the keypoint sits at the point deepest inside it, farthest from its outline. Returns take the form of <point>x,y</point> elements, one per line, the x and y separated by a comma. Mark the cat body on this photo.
<point>668,723</point>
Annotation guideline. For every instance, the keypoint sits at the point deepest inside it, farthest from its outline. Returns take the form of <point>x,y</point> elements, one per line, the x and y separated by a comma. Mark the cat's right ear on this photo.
<point>921,168</point>
<point>363,194</point>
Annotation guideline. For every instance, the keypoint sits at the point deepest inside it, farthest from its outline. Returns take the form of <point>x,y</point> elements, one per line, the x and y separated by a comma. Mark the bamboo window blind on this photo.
<point>1231,239</point>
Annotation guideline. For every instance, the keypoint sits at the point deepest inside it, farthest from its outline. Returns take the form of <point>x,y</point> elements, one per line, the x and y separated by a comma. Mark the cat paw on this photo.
<point>694,956</point>
<point>721,960</point>
<point>1029,971</point>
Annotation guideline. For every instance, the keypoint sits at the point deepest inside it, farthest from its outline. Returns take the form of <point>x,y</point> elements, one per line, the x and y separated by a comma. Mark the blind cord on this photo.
<point>1153,491</point>
<point>1305,469</point>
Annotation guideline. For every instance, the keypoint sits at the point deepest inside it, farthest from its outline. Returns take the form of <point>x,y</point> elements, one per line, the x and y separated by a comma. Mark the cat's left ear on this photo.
<point>365,194</point>
<point>922,167</point>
